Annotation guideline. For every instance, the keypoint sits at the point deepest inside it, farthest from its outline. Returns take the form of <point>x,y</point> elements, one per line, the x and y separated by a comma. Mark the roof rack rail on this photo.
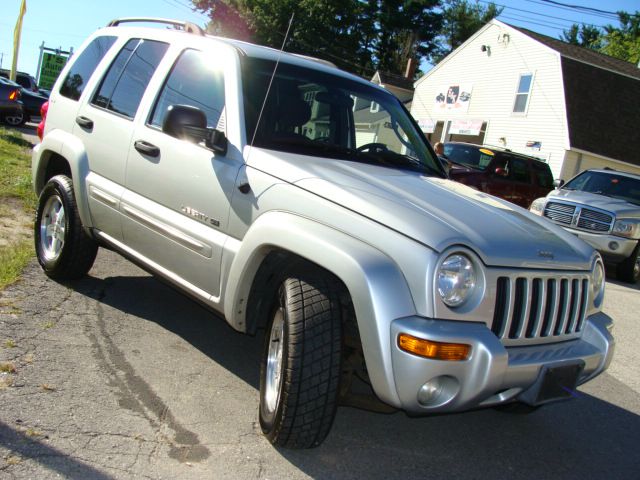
<point>186,26</point>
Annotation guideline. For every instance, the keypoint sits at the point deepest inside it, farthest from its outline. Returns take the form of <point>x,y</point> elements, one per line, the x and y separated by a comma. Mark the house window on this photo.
<point>374,108</point>
<point>522,95</point>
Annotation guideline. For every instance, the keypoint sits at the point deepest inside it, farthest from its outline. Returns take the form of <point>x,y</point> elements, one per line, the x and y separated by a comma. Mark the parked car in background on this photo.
<point>23,79</point>
<point>602,207</point>
<point>515,177</point>
<point>11,108</point>
<point>31,101</point>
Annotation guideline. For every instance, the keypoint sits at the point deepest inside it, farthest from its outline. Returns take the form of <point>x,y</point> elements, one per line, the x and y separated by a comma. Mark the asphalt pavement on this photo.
<point>117,376</point>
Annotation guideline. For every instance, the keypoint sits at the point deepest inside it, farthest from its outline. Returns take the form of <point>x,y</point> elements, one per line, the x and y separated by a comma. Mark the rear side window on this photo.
<point>195,81</point>
<point>84,66</point>
<point>128,76</point>
<point>543,175</point>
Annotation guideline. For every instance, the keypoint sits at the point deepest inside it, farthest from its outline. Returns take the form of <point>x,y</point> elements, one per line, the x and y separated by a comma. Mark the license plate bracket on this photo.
<point>554,383</point>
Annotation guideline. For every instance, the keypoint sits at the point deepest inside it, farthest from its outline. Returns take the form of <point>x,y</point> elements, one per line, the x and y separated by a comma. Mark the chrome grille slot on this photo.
<point>539,307</point>
<point>560,212</point>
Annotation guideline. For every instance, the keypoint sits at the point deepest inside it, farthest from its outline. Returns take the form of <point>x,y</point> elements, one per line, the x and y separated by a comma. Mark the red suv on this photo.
<point>515,177</point>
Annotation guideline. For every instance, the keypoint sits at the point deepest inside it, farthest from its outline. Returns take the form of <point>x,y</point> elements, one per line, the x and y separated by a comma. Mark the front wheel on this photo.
<point>63,248</point>
<point>629,269</point>
<point>300,371</point>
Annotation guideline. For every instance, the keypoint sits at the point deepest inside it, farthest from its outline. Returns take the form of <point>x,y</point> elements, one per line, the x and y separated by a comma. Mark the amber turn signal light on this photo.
<point>433,350</point>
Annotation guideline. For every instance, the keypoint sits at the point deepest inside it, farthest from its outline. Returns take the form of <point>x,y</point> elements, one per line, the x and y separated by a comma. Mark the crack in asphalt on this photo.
<point>136,395</point>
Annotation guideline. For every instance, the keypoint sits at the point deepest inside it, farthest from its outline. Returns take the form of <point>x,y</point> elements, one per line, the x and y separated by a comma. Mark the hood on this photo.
<point>616,206</point>
<point>436,212</point>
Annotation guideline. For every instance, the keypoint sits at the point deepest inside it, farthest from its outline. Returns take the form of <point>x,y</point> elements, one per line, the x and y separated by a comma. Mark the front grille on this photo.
<point>530,308</point>
<point>579,217</point>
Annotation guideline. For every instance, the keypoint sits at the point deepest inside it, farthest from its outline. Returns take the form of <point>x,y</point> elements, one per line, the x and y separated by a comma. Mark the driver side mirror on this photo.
<point>558,183</point>
<point>190,123</point>
<point>501,172</point>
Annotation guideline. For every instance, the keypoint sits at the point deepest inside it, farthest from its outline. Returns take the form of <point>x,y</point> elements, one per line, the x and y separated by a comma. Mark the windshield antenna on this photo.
<point>264,102</point>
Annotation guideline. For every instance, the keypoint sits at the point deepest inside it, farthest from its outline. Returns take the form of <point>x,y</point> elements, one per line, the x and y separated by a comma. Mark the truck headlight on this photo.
<point>598,283</point>
<point>456,279</point>
<point>537,206</point>
<point>629,228</point>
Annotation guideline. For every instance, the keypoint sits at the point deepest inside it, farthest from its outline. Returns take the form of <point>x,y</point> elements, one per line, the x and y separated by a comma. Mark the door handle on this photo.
<point>146,148</point>
<point>85,122</point>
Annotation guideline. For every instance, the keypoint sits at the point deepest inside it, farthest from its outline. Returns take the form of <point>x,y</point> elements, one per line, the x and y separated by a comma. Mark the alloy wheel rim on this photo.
<point>52,228</point>
<point>13,120</point>
<point>274,362</point>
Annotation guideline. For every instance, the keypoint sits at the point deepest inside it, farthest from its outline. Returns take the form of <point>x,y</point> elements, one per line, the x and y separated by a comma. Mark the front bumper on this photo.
<point>493,374</point>
<point>623,247</point>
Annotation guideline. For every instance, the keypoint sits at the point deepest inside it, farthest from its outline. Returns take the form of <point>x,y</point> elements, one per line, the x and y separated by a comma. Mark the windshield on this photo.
<point>469,155</point>
<point>323,115</point>
<point>609,184</point>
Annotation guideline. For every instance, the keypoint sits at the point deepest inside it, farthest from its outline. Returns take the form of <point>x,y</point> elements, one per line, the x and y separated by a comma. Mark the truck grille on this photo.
<point>578,217</point>
<point>535,307</point>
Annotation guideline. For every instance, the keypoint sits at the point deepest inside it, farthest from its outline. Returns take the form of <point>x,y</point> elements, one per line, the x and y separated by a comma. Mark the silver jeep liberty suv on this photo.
<point>287,195</point>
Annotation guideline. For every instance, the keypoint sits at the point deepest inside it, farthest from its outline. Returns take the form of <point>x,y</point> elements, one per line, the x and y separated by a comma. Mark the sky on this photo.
<point>67,23</point>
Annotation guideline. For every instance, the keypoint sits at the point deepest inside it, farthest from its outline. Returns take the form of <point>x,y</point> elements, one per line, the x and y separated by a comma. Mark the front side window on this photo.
<point>128,76</point>
<point>320,114</point>
<point>84,66</point>
<point>195,81</point>
<point>522,94</point>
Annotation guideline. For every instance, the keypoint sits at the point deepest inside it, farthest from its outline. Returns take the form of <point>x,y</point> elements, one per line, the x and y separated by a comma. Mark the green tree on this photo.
<point>461,19</point>
<point>357,35</point>
<point>623,42</point>
<point>583,36</point>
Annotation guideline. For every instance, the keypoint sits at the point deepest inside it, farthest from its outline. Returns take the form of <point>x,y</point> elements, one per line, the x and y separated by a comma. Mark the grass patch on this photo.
<point>15,185</point>
<point>10,344</point>
<point>13,259</point>
<point>7,367</point>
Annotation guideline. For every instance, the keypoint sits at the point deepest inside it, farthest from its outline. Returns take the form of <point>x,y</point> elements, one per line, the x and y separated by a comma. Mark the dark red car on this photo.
<point>515,177</point>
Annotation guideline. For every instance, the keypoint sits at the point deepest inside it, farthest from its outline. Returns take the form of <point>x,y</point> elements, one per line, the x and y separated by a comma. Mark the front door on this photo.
<point>176,205</point>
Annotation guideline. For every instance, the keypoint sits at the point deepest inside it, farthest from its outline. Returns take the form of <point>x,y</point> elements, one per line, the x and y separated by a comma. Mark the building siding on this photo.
<point>576,162</point>
<point>494,75</point>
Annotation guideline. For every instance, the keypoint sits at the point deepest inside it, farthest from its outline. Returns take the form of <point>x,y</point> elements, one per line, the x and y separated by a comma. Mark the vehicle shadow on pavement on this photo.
<point>582,438</point>
<point>150,299</point>
<point>29,447</point>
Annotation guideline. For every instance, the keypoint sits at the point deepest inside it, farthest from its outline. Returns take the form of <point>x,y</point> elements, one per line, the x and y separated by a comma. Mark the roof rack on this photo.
<point>186,26</point>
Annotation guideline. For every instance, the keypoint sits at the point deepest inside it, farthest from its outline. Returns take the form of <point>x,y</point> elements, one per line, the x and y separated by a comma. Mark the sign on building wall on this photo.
<point>426,125</point>
<point>50,68</point>
<point>465,127</point>
<point>454,97</point>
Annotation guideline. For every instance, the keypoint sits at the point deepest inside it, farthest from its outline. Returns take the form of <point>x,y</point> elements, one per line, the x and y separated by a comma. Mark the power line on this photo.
<point>506,7</point>
<point>580,7</point>
<point>591,13</point>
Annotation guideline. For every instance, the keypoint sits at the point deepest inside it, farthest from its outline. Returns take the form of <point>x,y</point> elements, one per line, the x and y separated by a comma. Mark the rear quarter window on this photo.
<point>84,66</point>
<point>542,174</point>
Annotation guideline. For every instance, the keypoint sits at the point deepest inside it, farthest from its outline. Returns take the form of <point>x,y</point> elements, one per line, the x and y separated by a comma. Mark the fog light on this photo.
<point>614,245</point>
<point>438,391</point>
<point>434,350</point>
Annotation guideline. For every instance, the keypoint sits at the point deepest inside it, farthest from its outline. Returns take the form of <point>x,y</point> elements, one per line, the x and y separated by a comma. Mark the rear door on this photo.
<point>176,206</point>
<point>104,123</point>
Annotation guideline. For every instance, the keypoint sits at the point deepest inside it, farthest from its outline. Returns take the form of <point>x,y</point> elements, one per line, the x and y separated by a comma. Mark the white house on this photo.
<point>514,88</point>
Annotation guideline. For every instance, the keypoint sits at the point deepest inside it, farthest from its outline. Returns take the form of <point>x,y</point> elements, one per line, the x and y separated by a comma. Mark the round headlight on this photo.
<point>456,279</point>
<point>597,287</point>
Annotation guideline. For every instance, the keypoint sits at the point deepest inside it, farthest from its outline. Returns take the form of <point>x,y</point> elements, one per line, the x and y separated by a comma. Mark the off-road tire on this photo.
<point>629,269</point>
<point>73,256</point>
<point>308,310</point>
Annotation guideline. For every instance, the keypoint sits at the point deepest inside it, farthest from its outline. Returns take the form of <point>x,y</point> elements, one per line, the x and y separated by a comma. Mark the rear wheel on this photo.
<point>63,248</point>
<point>300,371</point>
<point>629,269</point>
<point>15,119</point>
